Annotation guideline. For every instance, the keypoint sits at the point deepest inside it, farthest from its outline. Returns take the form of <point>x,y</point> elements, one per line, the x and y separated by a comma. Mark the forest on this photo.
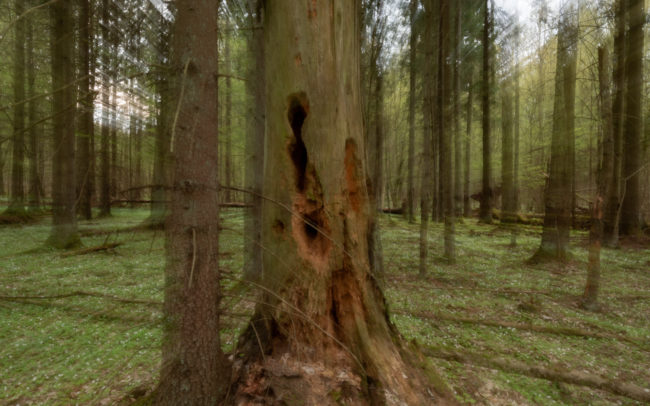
<point>324,202</point>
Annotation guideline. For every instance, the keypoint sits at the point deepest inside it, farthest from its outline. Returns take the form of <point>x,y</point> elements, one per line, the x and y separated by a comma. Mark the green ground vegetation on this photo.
<point>99,341</point>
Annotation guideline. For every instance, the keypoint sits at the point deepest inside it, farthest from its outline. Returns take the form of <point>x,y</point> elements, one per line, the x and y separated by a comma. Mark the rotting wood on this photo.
<point>554,373</point>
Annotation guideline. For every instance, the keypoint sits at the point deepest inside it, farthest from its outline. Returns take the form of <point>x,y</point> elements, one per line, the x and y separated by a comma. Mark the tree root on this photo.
<point>554,374</point>
<point>568,331</point>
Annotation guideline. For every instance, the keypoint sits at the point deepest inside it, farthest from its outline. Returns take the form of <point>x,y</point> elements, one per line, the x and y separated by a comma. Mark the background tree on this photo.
<point>558,193</point>
<point>64,224</point>
<point>17,205</point>
<point>485,213</point>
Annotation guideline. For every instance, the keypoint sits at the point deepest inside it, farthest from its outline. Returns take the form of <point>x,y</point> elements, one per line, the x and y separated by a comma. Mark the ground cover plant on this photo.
<point>84,327</point>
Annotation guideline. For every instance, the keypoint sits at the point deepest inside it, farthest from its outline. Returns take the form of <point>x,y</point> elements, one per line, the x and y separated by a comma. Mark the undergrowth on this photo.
<point>96,350</point>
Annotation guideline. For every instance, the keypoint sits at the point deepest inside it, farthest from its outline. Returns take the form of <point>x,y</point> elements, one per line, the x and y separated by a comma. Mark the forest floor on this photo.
<point>98,340</point>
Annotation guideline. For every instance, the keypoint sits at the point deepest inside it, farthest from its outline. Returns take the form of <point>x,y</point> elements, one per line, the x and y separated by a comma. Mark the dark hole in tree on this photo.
<point>297,150</point>
<point>310,228</point>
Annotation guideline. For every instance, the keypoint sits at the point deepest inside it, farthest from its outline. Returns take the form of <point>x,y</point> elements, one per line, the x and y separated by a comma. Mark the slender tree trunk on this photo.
<point>558,194</point>
<point>485,211</point>
<point>163,136</point>
<point>321,311</point>
<point>256,86</point>
<point>508,215</point>
<point>64,224</point>
<point>467,207</point>
<point>85,116</point>
<point>410,193</point>
<point>34,195</point>
<point>228,117</point>
<point>194,370</point>
<point>374,235</point>
<point>17,204</point>
<point>447,108</point>
<point>516,141</point>
<point>631,210</point>
<point>427,169</point>
<point>458,153</point>
<point>610,222</point>
<point>604,177</point>
<point>105,175</point>
<point>114,169</point>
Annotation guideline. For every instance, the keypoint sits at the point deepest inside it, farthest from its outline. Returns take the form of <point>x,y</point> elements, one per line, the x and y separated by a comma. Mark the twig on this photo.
<point>103,247</point>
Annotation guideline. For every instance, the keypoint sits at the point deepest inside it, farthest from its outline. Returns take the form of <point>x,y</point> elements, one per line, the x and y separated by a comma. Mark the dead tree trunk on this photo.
<point>322,312</point>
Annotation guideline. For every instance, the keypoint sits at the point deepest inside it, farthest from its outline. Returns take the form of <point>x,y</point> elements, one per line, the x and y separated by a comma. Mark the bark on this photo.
<point>320,334</point>
<point>105,175</point>
<point>34,195</point>
<point>114,169</point>
<point>558,194</point>
<point>194,370</point>
<point>610,221</point>
<point>467,207</point>
<point>17,204</point>
<point>64,224</point>
<point>413,39</point>
<point>485,210</point>
<point>604,177</point>
<point>377,148</point>
<point>85,128</point>
<point>517,134</point>
<point>446,124</point>
<point>253,266</point>
<point>631,210</point>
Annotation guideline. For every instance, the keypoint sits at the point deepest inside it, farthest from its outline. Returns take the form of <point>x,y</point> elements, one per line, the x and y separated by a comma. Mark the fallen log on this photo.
<point>553,374</point>
<point>84,251</point>
<point>81,293</point>
<point>561,330</point>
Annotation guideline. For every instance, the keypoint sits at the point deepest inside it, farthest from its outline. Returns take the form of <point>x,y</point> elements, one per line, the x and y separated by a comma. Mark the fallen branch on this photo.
<point>82,293</point>
<point>84,251</point>
<point>569,331</point>
<point>554,374</point>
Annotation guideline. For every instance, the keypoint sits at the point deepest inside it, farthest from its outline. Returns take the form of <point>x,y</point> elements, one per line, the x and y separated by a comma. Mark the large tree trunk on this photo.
<point>320,334</point>
<point>85,118</point>
<point>612,207</point>
<point>631,210</point>
<point>194,369</point>
<point>410,193</point>
<point>603,181</point>
<point>17,204</point>
<point>558,194</point>
<point>255,145</point>
<point>485,210</point>
<point>64,224</point>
